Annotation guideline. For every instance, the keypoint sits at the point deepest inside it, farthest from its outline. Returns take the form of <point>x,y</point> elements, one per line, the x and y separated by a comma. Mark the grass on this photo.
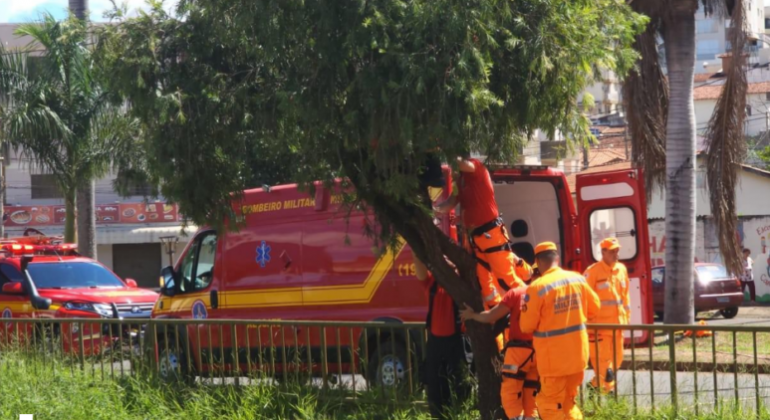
<point>56,391</point>
<point>723,350</point>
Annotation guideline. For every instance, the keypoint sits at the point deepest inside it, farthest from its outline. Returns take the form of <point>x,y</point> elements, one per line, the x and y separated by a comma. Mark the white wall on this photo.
<point>752,195</point>
<point>104,255</point>
<point>755,124</point>
<point>18,184</point>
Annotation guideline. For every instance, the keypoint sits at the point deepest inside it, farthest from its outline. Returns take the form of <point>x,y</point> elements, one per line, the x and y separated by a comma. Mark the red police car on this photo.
<point>40,278</point>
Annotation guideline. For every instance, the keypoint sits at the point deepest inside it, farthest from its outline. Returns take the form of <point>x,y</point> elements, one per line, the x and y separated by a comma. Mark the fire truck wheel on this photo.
<point>172,365</point>
<point>47,336</point>
<point>386,367</point>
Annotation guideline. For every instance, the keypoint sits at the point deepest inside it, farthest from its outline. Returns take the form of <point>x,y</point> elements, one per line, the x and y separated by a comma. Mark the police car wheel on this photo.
<point>386,367</point>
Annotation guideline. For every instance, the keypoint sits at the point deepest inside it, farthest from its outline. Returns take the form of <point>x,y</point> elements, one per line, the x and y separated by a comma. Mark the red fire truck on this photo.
<point>299,258</point>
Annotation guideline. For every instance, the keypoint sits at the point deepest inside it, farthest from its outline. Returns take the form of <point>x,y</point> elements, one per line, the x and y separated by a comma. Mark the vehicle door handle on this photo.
<point>286,260</point>
<point>214,298</point>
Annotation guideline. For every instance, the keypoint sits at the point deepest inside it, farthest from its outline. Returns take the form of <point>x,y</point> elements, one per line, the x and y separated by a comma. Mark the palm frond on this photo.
<point>726,145</point>
<point>645,95</point>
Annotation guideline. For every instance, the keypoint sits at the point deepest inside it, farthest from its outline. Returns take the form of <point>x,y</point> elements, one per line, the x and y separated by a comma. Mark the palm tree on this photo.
<point>57,113</point>
<point>662,121</point>
<point>86,193</point>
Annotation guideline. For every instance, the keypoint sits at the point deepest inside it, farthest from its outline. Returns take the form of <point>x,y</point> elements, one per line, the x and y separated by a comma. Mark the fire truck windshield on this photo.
<point>72,275</point>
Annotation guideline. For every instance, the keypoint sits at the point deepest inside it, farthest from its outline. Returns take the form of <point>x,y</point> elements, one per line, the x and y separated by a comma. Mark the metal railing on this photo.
<point>681,367</point>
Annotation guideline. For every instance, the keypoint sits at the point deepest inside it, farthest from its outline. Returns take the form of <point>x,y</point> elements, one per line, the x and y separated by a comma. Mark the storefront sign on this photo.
<point>124,213</point>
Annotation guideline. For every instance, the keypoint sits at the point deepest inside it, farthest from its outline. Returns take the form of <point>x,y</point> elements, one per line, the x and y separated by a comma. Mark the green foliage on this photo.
<point>54,107</point>
<point>764,156</point>
<point>357,89</point>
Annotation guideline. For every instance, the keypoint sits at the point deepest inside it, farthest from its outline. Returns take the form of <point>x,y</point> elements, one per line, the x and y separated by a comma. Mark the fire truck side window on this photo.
<point>619,223</point>
<point>186,269</point>
<point>9,274</point>
<point>204,272</point>
<point>198,265</point>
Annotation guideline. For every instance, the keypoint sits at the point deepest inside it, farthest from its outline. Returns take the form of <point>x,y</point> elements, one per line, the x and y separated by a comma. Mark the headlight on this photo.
<point>99,308</point>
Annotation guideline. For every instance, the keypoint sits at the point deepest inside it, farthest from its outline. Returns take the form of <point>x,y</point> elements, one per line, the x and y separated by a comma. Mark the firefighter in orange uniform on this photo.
<point>609,279</point>
<point>556,308</point>
<point>499,269</point>
<point>520,379</point>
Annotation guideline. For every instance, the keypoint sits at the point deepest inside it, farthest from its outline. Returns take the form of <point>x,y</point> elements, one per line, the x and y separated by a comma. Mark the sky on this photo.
<point>15,11</point>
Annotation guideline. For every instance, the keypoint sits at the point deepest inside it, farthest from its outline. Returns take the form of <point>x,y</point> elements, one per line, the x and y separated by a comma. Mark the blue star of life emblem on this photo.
<point>199,310</point>
<point>263,254</point>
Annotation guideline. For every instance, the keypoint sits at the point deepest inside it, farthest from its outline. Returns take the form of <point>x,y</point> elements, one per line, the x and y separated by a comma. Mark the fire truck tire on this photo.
<point>387,367</point>
<point>172,363</point>
<point>46,336</point>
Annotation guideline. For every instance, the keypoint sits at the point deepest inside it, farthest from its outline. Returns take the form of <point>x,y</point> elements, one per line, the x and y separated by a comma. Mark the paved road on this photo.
<point>748,315</point>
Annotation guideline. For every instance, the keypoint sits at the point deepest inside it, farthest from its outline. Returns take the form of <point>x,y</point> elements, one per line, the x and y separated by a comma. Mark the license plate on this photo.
<point>723,299</point>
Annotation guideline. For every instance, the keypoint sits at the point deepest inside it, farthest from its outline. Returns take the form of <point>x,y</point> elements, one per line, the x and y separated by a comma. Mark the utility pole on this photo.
<point>625,141</point>
<point>170,243</point>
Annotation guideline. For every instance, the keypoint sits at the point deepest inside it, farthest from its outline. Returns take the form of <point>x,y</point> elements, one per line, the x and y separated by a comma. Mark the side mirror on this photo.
<point>13,288</point>
<point>131,283</point>
<point>167,283</point>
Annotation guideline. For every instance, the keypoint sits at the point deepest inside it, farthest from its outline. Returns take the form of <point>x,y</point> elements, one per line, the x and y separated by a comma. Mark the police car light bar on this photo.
<point>16,249</point>
<point>21,249</point>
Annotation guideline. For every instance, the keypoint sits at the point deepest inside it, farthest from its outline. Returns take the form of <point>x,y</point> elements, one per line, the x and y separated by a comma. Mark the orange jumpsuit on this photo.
<point>606,352</point>
<point>556,308</point>
<point>520,378</point>
<point>488,239</point>
<point>492,291</point>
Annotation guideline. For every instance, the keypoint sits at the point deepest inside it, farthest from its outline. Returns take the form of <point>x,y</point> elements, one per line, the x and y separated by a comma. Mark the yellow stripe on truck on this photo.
<point>317,295</point>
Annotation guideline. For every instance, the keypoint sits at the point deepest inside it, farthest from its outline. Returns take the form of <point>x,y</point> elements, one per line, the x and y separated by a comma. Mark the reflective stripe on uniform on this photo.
<point>490,297</point>
<point>603,286</point>
<point>559,283</point>
<point>511,368</point>
<point>556,333</point>
<point>612,302</point>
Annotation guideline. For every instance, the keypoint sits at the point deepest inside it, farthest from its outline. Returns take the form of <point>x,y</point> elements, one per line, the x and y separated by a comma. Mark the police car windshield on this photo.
<point>72,275</point>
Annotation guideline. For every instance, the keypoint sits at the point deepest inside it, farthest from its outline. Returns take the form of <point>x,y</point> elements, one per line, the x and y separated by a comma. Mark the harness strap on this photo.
<point>504,247</point>
<point>521,376</point>
<point>532,384</point>
<point>486,227</point>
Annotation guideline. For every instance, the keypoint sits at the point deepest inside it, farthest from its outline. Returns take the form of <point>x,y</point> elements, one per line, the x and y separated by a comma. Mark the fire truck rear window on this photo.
<point>72,275</point>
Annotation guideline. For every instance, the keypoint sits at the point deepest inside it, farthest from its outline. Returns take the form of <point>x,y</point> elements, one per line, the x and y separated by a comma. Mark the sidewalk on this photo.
<point>653,389</point>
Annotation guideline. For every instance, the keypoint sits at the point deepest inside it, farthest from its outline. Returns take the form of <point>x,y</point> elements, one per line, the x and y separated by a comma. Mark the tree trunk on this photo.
<point>431,246</point>
<point>69,216</point>
<point>79,8</point>
<point>679,38</point>
<point>86,220</point>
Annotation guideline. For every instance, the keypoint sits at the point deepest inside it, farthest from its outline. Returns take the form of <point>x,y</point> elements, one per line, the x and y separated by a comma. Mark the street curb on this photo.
<point>709,367</point>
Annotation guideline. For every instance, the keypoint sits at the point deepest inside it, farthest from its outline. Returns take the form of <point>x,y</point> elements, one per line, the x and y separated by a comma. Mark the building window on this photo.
<point>748,110</point>
<point>44,186</point>
<point>767,96</point>
<point>706,26</point>
<point>707,49</point>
